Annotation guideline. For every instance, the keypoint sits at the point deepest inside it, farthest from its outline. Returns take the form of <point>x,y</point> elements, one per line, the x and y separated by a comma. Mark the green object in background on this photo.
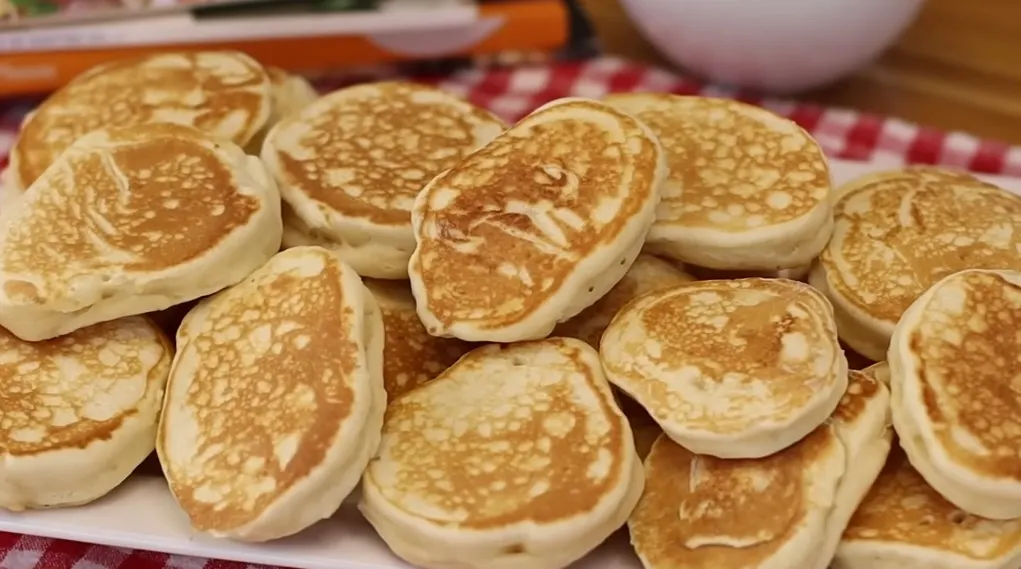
<point>282,7</point>
<point>35,7</point>
<point>344,5</point>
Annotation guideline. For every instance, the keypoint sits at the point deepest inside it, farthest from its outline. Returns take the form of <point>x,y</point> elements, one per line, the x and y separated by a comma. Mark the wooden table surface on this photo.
<point>957,68</point>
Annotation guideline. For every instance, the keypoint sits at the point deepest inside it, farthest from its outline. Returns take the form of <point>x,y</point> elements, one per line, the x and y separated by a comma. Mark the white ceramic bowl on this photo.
<point>774,45</point>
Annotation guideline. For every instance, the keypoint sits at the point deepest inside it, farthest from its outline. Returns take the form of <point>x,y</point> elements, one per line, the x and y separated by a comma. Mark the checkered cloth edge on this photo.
<point>512,93</point>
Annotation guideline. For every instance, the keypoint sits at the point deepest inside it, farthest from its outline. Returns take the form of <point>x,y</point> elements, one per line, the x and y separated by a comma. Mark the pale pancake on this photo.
<point>786,510</point>
<point>224,93</point>
<point>896,233</point>
<point>748,189</point>
<point>733,369</point>
<point>78,413</point>
<point>955,372</point>
<point>862,422</point>
<point>289,94</point>
<point>904,524</point>
<point>517,456</point>
<point>536,226</point>
<point>648,273</point>
<point>117,228</point>
<point>411,356</point>
<point>350,165</point>
<point>276,399</point>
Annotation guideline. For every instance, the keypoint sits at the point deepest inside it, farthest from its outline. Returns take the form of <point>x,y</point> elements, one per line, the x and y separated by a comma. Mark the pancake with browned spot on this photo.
<point>734,369</point>
<point>350,164</point>
<point>748,189</point>
<point>276,398</point>
<point>223,93</point>
<point>955,373</point>
<point>78,413</point>
<point>896,233</point>
<point>132,221</point>
<point>904,524</point>
<point>517,456</point>
<point>537,225</point>
<point>784,510</point>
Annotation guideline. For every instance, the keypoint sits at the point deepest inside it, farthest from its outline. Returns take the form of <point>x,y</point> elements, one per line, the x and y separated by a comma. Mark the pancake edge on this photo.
<point>962,488</point>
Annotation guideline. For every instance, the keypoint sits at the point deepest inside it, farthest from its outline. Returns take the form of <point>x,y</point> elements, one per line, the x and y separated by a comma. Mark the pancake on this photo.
<point>289,94</point>
<point>223,93</point>
<point>517,456</point>
<point>897,233</point>
<point>350,165</point>
<point>648,273</point>
<point>862,422</point>
<point>275,400</point>
<point>115,228</point>
<point>732,369</point>
<point>748,189</point>
<point>955,373</point>
<point>536,226</point>
<point>411,356</point>
<point>784,510</point>
<point>904,524</point>
<point>78,413</point>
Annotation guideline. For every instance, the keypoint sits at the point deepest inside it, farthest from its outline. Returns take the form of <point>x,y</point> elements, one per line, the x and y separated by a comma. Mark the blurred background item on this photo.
<point>955,67</point>
<point>44,43</point>
<point>777,46</point>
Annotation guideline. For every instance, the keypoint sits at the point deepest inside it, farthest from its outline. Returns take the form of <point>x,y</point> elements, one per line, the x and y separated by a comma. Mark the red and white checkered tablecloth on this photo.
<point>512,93</point>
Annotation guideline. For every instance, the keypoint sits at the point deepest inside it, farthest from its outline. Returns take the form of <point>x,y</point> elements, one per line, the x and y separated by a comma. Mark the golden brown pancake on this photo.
<point>224,93</point>
<point>411,356</point>
<point>785,510</point>
<point>130,221</point>
<point>275,400</point>
<point>748,189</point>
<point>517,456</point>
<point>955,373</point>
<point>701,512</point>
<point>648,273</point>
<point>736,369</point>
<point>350,164</point>
<point>78,413</point>
<point>897,233</point>
<point>536,226</point>
<point>904,524</point>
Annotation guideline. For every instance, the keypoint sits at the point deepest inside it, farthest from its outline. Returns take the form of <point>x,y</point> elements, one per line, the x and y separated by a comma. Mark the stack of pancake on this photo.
<point>515,338</point>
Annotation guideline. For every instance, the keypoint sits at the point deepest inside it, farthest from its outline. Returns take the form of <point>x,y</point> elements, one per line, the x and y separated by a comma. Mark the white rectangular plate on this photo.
<point>141,514</point>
